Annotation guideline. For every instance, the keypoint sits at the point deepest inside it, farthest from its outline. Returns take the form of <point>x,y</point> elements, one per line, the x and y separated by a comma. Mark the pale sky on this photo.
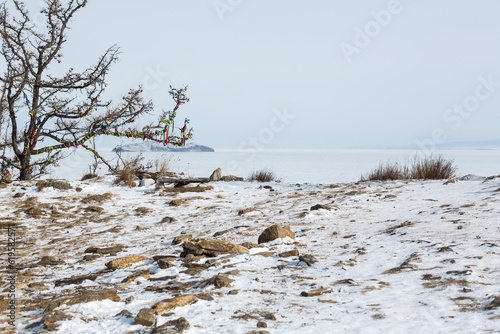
<point>353,74</point>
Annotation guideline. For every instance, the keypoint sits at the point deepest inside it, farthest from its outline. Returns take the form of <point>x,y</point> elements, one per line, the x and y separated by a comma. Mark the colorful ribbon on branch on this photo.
<point>161,133</point>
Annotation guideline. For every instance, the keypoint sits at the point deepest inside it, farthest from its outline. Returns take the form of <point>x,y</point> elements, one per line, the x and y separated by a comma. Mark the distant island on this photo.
<point>152,146</point>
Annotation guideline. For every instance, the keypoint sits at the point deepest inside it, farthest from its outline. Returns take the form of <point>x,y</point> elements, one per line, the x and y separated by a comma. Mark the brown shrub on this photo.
<point>262,175</point>
<point>128,172</point>
<point>387,172</point>
<point>427,168</point>
<point>433,168</point>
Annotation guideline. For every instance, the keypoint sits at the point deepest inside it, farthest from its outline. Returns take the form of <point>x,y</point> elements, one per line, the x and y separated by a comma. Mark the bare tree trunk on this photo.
<point>25,170</point>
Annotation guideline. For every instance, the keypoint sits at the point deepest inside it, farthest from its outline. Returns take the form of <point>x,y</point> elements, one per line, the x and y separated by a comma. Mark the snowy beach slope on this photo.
<point>391,257</point>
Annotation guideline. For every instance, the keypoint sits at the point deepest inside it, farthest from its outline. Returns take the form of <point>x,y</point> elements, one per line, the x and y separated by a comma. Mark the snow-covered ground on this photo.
<point>396,257</point>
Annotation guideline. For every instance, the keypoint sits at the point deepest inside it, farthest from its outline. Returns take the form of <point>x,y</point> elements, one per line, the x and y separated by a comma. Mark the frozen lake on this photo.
<point>313,166</point>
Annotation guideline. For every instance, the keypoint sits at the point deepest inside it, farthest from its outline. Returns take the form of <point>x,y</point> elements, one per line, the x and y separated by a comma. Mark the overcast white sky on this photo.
<point>245,59</point>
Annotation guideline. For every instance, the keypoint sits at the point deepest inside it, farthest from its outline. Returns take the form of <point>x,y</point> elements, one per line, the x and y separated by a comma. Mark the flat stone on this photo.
<point>265,254</point>
<point>231,178</point>
<point>144,274</point>
<point>125,262</point>
<point>218,234</point>
<point>165,257</point>
<point>315,292</point>
<point>163,278</point>
<point>293,252</point>
<point>188,189</point>
<point>245,211</point>
<point>320,207</point>
<point>250,245</point>
<point>169,304</point>
<point>205,296</point>
<point>75,280</point>
<point>105,250</point>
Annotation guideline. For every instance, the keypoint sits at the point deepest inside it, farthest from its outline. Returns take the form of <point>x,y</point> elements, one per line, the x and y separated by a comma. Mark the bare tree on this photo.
<point>59,112</point>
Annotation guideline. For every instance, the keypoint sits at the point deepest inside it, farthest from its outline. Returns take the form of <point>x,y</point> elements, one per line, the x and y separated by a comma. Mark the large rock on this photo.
<point>216,175</point>
<point>275,232</point>
<point>147,182</point>
<point>145,317</point>
<point>211,247</point>
<point>169,304</point>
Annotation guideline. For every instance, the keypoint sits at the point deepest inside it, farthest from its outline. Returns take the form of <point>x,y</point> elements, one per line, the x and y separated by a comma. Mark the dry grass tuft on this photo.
<point>388,172</point>
<point>433,168</point>
<point>428,168</point>
<point>128,172</point>
<point>56,184</point>
<point>127,176</point>
<point>161,166</point>
<point>97,198</point>
<point>89,176</point>
<point>263,175</point>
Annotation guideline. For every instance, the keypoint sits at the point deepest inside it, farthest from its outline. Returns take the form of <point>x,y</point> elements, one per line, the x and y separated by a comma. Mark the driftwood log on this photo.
<point>181,182</point>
